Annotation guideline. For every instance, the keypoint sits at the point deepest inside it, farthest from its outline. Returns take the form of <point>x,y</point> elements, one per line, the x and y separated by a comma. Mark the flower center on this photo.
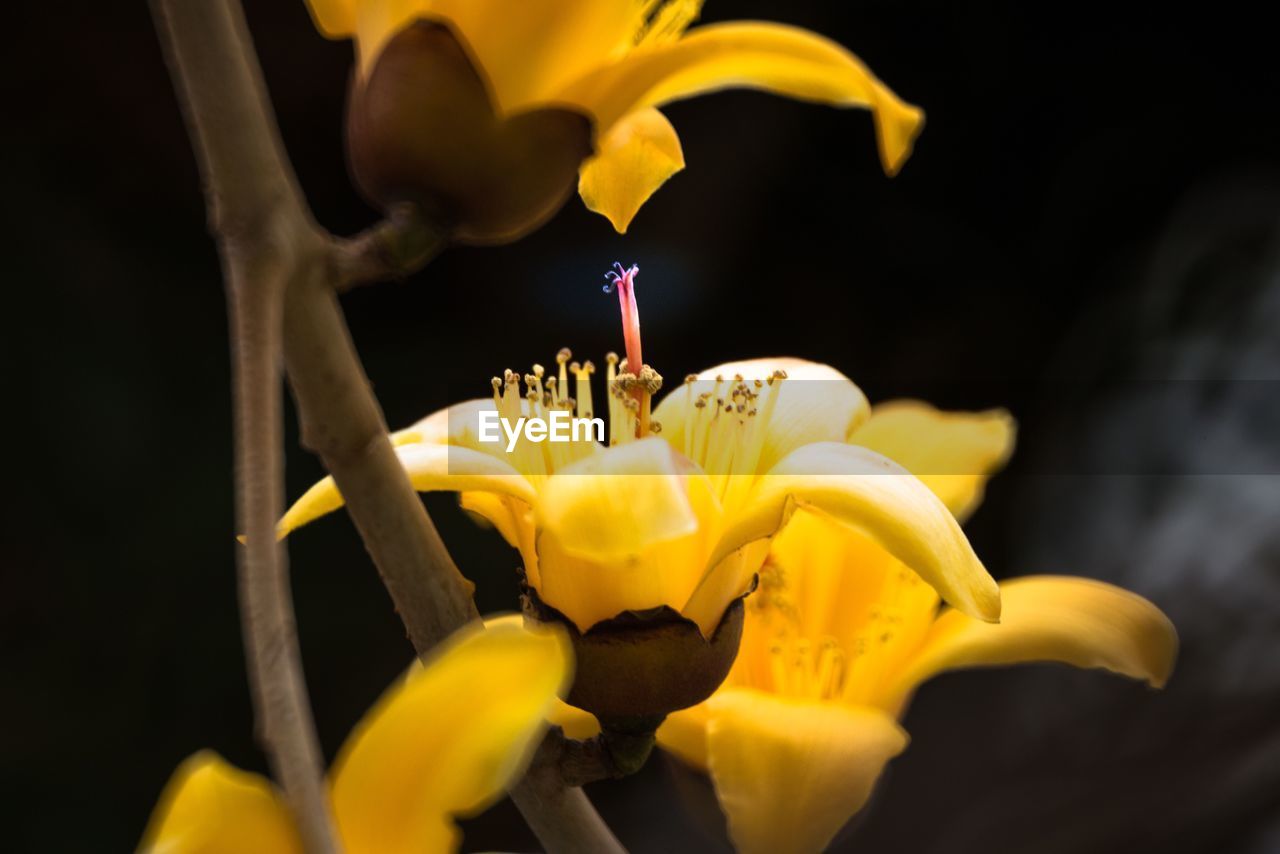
<point>847,658</point>
<point>726,424</point>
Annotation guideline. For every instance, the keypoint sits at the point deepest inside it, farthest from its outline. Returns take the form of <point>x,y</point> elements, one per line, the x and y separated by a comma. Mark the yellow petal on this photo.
<point>454,425</point>
<point>816,403</point>
<point>448,740</point>
<point>841,584</point>
<point>633,160</point>
<point>210,807</point>
<point>575,722</point>
<point>431,468</point>
<point>335,19</point>
<point>790,773</point>
<point>527,51</point>
<point>952,452</point>
<point>1075,621</point>
<point>684,735</point>
<point>772,57</point>
<point>627,529</point>
<point>860,488</point>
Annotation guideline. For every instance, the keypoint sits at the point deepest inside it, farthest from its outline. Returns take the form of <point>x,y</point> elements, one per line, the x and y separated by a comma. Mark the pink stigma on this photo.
<point>625,280</point>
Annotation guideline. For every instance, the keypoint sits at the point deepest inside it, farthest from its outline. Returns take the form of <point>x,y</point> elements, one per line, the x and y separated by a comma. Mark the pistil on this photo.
<point>636,378</point>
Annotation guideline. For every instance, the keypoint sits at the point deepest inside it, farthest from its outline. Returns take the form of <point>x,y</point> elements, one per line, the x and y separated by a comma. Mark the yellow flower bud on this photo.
<point>422,128</point>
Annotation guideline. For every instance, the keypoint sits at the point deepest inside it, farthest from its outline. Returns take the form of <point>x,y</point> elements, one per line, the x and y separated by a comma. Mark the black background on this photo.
<point>1063,140</point>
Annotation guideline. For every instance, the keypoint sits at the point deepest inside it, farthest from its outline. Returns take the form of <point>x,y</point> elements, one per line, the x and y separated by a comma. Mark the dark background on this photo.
<point>1096,196</point>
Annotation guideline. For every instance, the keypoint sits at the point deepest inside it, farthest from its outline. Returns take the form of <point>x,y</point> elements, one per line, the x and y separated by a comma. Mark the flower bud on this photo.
<point>644,664</point>
<point>422,128</point>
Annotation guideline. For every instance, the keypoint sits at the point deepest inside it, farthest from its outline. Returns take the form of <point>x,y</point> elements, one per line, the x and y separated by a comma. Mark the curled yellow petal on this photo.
<point>772,57</point>
<point>448,740</point>
<point>211,807</point>
<point>636,157</point>
<point>431,468</point>
<point>881,499</point>
<point>790,773</point>
<point>954,453</point>
<point>1075,621</point>
<point>816,403</point>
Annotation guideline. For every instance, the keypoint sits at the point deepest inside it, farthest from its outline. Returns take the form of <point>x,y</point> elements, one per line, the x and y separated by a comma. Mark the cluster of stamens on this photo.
<point>825,668</point>
<point>726,423</point>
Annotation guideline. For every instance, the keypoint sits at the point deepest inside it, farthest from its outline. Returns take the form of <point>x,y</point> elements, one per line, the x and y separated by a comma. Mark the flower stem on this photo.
<point>253,209</point>
<point>282,270</point>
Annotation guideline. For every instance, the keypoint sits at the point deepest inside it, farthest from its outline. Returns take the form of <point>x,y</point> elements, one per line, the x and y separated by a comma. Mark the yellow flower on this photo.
<point>440,744</point>
<point>840,634</point>
<point>682,517</point>
<point>677,521</point>
<point>482,111</point>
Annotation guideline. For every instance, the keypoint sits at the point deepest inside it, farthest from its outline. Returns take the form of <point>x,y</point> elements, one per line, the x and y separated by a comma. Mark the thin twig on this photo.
<point>259,225</point>
<point>341,421</point>
<point>270,241</point>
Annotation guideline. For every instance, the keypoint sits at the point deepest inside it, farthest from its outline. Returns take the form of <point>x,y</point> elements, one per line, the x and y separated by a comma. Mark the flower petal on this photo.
<point>575,722</point>
<point>335,19</point>
<point>210,806</point>
<point>858,487</point>
<point>952,452</point>
<point>633,160</point>
<point>447,740</point>
<point>1075,621</point>
<point>431,468</point>
<point>816,403</point>
<point>526,51</point>
<point>790,773</point>
<point>773,57</point>
<point>684,735</point>
<point>626,529</point>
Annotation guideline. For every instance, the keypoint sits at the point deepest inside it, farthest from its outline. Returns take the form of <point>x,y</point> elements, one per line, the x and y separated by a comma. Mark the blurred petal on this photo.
<point>633,160</point>
<point>952,452</point>
<point>775,58</point>
<point>1075,621</point>
<point>860,488</point>
<point>210,807</point>
<point>684,735</point>
<point>431,468</point>
<point>335,19</point>
<point>790,773</point>
<point>816,403</point>
<point>448,740</point>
